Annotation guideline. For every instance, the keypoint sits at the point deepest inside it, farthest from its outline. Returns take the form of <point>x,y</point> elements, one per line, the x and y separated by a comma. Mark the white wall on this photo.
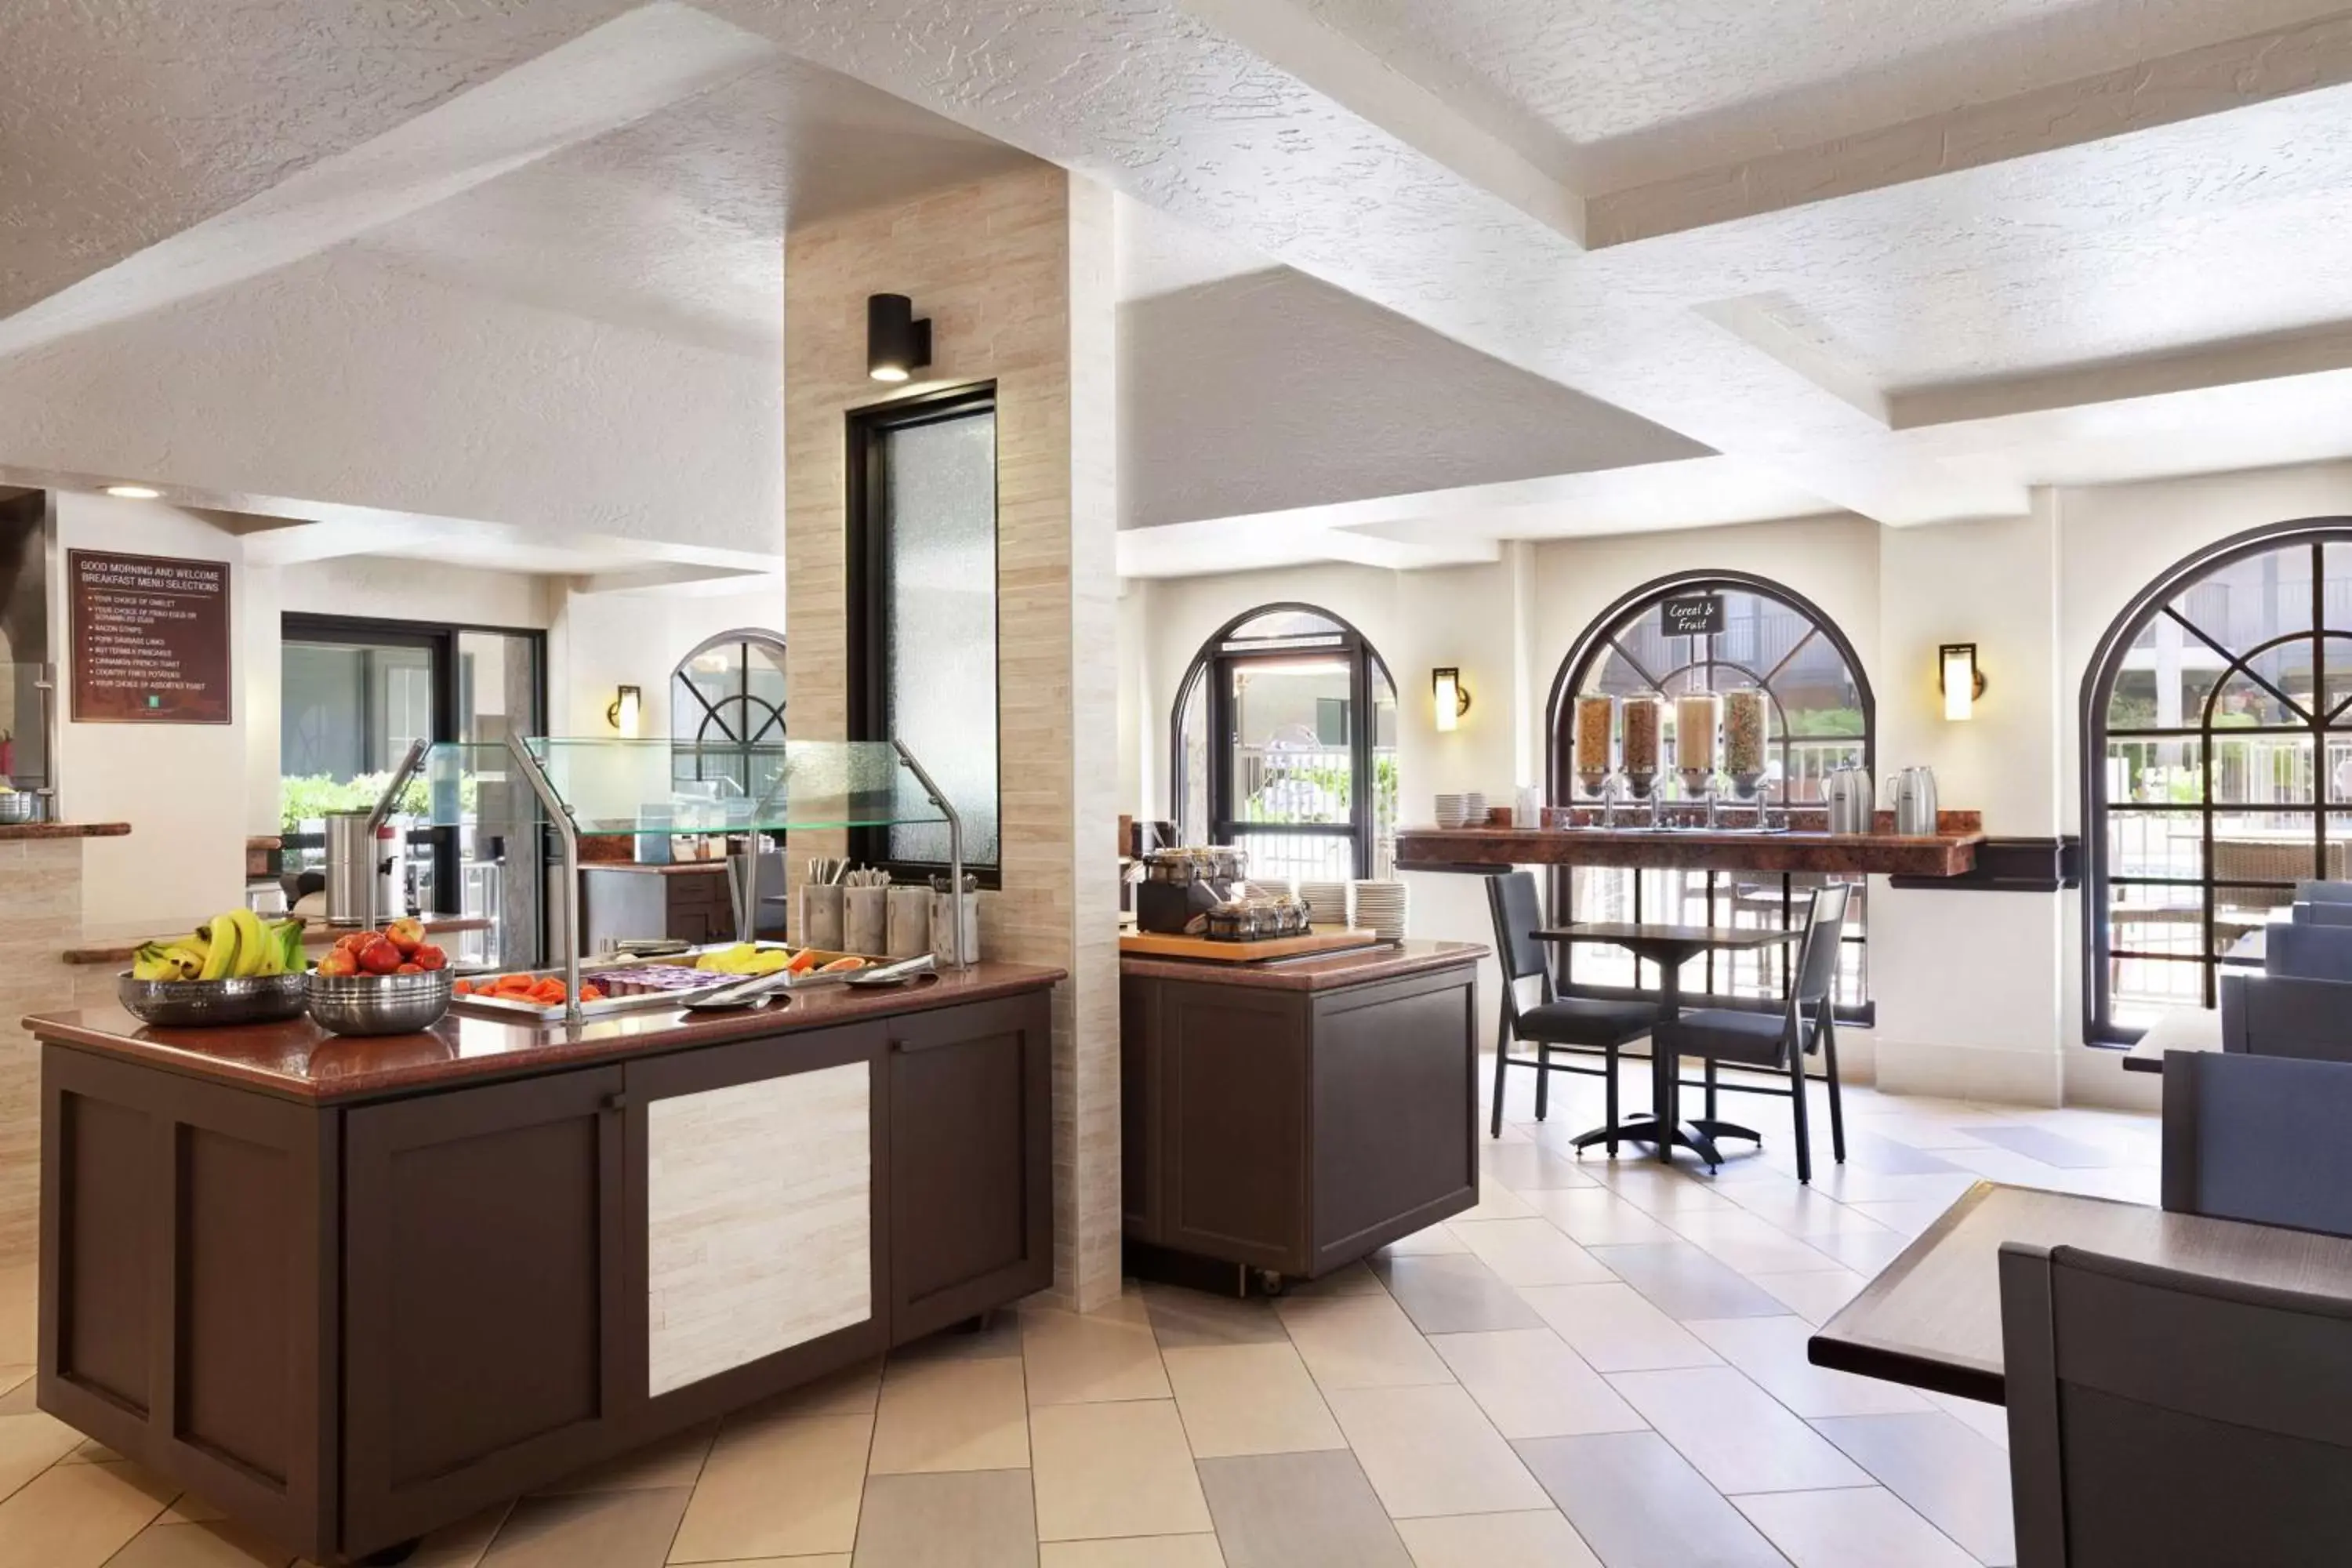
<point>1977,993</point>
<point>598,643</point>
<point>182,787</point>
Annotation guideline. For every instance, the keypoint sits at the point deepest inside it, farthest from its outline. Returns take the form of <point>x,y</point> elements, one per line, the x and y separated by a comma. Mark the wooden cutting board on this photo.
<point>1144,945</point>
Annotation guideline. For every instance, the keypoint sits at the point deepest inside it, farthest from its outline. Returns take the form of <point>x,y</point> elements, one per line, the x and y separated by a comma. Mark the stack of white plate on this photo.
<point>1326,904</point>
<point>1462,810</point>
<point>1381,908</point>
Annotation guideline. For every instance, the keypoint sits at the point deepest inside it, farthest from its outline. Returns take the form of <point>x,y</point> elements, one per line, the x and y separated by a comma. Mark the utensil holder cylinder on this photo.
<point>822,916</point>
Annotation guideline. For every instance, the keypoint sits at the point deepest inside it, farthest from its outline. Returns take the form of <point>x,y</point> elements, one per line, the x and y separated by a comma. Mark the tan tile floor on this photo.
<point>1602,1364</point>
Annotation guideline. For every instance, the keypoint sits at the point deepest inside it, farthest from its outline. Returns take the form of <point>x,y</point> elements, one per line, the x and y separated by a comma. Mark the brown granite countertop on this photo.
<point>64,830</point>
<point>300,1061</point>
<point>317,934</point>
<point>1948,854</point>
<point>675,868</point>
<point>1329,972</point>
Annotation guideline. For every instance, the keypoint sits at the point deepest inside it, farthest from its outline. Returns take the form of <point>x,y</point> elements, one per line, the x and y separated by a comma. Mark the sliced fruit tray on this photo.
<point>608,986</point>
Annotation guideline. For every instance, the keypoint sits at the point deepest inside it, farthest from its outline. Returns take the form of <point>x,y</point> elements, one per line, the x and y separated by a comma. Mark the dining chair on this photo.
<point>1778,1041</point>
<point>2287,1015</point>
<point>2323,892</point>
<point>2258,1138</point>
<point>2307,951</point>
<point>2321,913</point>
<point>2162,1416</point>
<point>1575,1023</point>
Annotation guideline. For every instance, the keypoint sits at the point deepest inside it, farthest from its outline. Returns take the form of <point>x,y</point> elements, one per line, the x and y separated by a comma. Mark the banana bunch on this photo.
<point>236,945</point>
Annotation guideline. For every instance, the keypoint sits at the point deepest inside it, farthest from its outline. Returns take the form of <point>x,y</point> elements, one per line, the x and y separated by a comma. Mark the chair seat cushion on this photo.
<point>1731,1035</point>
<point>1578,1021</point>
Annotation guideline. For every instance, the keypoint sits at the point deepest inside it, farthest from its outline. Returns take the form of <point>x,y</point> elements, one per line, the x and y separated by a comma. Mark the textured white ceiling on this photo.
<point>1615,93</point>
<point>1907,259</point>
<point>674,224</point>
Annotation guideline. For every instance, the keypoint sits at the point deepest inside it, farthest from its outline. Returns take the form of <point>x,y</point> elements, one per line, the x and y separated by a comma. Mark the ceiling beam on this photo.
<point>2213,80</point>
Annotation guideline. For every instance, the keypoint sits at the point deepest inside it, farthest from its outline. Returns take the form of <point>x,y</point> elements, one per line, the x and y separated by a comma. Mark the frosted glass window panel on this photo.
<point>939,560</point>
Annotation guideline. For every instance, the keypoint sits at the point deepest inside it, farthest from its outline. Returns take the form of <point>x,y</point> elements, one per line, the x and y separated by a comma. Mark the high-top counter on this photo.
<point>349,1291</point>
<point>1281,1120</point>
<point>1805,847</point>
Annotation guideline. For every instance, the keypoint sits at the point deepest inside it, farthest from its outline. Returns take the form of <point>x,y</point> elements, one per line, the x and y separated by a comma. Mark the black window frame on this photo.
<point>867,574</point>
<point>1585,657</point>
<point>1218,658</point>
<point>2108,658</point>
<point>439,639</point>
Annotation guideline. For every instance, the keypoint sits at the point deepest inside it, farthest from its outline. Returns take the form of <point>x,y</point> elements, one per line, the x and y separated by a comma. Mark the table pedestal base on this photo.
<point>1696,1136</point>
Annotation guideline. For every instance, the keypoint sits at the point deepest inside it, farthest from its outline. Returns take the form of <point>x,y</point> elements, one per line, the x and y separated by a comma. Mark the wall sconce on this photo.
<point>1958,678</point>
<point>629,702</point>
<point>1451,696</point>
<point>896,344</point>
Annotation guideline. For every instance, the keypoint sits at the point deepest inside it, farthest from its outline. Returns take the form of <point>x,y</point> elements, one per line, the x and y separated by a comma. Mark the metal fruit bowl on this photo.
<point>18,807</point>
<point>380,1004</point>
<point>202,1004</point>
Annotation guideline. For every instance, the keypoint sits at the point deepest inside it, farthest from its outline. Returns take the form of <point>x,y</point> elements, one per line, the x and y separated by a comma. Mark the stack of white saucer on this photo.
<point>1381,908</point>
<point>1462,810</point>
<point>1326,904</point>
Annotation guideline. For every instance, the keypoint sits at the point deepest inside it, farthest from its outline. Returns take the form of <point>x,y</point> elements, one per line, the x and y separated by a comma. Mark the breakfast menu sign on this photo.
<point>151,640</point>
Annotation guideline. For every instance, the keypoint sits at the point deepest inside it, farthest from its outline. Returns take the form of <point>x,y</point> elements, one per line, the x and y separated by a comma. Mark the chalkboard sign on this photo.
<point>151,640</point>
<point>1695,615</point>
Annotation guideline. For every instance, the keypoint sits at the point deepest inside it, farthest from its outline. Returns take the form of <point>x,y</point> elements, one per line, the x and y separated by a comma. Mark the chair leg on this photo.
<point>1502,1059</point>
<point>1543,1080</point>
<point>1830,1067</point>
<point>1710,1089</point>
<point>1797,1105</point>
<point>1610,1115</point>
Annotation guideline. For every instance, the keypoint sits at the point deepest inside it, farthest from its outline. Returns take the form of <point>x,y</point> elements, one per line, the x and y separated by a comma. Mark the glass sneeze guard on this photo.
<point>655,787</point>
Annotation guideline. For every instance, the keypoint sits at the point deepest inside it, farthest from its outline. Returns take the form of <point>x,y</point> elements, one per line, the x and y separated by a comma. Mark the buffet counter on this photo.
<point>413,1275</point>
<point>1282,1119</point>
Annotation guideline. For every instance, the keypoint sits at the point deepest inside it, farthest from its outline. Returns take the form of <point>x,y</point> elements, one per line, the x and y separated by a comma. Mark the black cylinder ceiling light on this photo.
<point>896,345</point>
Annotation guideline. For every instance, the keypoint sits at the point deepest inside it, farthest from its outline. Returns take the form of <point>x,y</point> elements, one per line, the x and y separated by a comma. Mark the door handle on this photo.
<point>616,1100</point>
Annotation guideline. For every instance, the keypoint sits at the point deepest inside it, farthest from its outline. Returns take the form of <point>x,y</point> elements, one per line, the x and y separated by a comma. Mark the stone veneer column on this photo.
<point>40,916</point>
<point>1015,273</point>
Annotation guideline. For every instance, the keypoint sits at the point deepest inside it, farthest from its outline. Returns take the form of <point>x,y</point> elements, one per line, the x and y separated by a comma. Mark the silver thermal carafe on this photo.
<point>351,861</point>
<point>1851,801</point>
<point>1912,794</point>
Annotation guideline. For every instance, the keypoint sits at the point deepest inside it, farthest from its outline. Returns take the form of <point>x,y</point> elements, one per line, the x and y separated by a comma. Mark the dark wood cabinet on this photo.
<point>485,1281</point>
<point>1294,1128</point>
<point>350,1323</point>
<point>972,1180</point>
<point>190,1302</point>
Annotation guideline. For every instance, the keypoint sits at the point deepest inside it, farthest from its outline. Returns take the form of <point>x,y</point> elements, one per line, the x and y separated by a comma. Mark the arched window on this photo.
<point>2216,726</point>
<point>1819,716</point>
<point>1304,778</point>
<point>730,692</point>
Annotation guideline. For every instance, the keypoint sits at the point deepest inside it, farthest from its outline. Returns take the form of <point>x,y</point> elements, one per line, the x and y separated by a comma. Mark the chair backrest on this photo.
<point>2322,914</point>
<point>2307,951</point>
<point>2258,1138</point>
<point>1817,960</point>
<point>2285,1016</point>
<point>1511,899</point>
<point>2323,892</point>
<point>2158,1416</point>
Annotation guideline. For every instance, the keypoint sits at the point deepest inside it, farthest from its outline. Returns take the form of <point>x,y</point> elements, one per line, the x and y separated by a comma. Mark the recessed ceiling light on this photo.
<point>134,493</point>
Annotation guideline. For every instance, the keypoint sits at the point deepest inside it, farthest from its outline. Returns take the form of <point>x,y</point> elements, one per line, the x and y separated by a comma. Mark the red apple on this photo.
<point>379,957</point>
<point>407,933</point>
<point>429,957</point>
<point>338,963</point>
